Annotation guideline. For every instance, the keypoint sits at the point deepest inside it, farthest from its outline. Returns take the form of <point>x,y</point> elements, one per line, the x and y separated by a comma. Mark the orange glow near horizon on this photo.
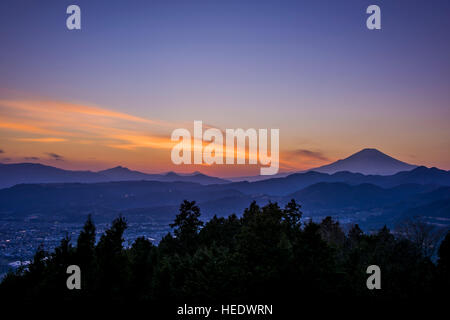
<point>89,137</point>
<point>93,138</point>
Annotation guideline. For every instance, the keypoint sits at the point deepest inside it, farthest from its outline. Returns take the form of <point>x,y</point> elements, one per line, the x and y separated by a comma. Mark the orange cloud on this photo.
<point>55,107</point>
<point>301,159</point>
<point>130,141</point>
<point>107,134</point>
<point>28,128</point>
<point>75,122</point>
<point>41,139</point>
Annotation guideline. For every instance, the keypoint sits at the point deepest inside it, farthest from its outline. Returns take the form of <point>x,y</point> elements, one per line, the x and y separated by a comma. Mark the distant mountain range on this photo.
<point>124,174</point>
<point>366,161</point>
<point>297,181</point>
<point>17,173</point>
<point>367,199</point>
<point>45,192</point>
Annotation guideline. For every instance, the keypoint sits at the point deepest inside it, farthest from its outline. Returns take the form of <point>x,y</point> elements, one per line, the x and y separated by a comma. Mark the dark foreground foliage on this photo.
<point>266,255</point>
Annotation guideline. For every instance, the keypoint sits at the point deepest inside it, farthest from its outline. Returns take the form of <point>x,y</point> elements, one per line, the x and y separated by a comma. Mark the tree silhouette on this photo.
<point>263,255</point>
<point>112,262</point>
<point>187,225</point>
<point>86,243</point>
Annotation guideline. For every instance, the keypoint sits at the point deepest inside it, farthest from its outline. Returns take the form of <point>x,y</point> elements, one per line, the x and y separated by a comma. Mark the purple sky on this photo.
<point>310,68</point>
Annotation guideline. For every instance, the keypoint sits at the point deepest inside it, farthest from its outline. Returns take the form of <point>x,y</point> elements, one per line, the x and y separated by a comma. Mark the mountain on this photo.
<point>338,195</point>
<point>298,181</point>
<point>72,201</point>
<point>18,173</point>
<point>124,174</point>
<point>422,175</point>
<point>260,177</point>
<point>195,177</point>
<point>155,200</point>
<point>367,161</point>
<point>120,173</point>
<point>12,174</point>
<point>438,210</point>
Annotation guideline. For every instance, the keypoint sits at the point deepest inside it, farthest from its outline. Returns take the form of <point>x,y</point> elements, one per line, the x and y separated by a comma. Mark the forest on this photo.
<point>268,254</point>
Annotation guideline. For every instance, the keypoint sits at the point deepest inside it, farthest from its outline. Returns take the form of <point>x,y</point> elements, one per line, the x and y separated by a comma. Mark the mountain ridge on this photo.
<point>345,170</point>
<point>367,161</point>
<point>19,173</point>
<point>294,182</point>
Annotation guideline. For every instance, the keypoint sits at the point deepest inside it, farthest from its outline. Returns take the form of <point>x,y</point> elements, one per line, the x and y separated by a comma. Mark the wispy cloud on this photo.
<point>54,121</point>
<point>59,107</point>
<point>310,154</point>
<point>11,123</point>
<point>31,158</point>
<point>55,156</point>
<point>301,159</point>
<point>1,151</point>
<point>41,139</point>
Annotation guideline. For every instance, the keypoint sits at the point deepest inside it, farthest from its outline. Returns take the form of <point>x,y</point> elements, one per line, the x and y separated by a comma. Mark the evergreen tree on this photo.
<point>113,266</point>
<point>86,243</point>
<point>187,225</point>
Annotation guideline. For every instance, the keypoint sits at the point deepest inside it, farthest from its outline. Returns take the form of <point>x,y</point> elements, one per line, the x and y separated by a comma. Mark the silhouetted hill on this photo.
<point>437,209</point>
<point>196,177</point>
<point>282,186</point>
<point>260,178</point>
<point>12,174</point>
<point>367,161</point>
<point>70,200</point>
<point>298,181</point>
<point>338,195</point>
<point>422,175</point>
<point>120,173</point>
<point>430,205</point>
<point>124,174</point>
<point>136,193</point>
<point>158,200</point>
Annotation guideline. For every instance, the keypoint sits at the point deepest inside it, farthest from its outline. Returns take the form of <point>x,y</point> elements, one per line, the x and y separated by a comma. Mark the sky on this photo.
<point>111,93</point>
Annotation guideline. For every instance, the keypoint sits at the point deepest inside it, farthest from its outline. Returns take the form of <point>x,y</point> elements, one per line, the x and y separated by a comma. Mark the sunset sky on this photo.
<point>112,93</point>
